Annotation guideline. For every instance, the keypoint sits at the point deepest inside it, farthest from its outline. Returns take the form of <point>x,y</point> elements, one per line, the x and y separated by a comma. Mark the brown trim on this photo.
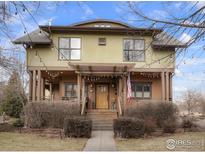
<point>151,69</point>
<point>110,30</point>
<point>53,68</point>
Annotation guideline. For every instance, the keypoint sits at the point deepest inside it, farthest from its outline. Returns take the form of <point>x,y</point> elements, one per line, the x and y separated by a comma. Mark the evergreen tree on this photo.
<point>15,97</point>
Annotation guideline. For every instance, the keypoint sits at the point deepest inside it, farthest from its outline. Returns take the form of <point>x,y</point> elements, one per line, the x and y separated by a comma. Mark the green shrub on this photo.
<point>52,115</point>
<point>128,128</point>
<point>14,98</point>
<point>77,127</point>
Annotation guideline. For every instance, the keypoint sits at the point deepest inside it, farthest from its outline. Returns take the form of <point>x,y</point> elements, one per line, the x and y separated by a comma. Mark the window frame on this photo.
<point>102,44</point>
<point>70,49</point>
<point>133,50</point>
<point>143,83</point>
<point>65,89</point>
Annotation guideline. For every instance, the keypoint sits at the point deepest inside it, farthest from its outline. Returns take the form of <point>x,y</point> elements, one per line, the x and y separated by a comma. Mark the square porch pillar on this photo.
<point>42,88</point>
<point>124,93</point>
<point>30,86</point>
<point>162,86</point>
<point>34,86</point>
<point>170,86</point>
<point>79,88</point>
<point>39,86</point>
<point>167,86</point>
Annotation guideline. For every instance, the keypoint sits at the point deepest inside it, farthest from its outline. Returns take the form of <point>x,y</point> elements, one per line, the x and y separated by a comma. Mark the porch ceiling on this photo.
<point>102,68</point>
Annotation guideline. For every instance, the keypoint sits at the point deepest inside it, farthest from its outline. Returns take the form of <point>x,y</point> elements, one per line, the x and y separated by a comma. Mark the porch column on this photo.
<point>120,96</point>
<point>167,86</point>
<point>30,86</point>
<point>124,92</point>
<point>83,97</point>
<point>39,86</point>
<point>170,86</point>
<point>34,86</point>
<point>42,88</point>
<point>50,90</point>
<point>162,86</point>
<point>79,86</point>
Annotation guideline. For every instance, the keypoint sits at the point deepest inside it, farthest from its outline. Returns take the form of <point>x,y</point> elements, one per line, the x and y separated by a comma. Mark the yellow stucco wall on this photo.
<point>91,52</point>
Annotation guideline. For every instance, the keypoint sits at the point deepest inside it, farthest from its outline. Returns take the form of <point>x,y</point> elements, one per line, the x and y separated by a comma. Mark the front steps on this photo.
<point>102,119</point>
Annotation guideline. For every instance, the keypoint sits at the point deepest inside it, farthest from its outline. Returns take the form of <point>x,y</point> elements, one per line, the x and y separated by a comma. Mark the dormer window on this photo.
<point>69,48</point>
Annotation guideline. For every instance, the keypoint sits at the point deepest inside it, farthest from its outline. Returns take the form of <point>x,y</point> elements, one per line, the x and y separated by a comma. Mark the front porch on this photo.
<point>99,87</point>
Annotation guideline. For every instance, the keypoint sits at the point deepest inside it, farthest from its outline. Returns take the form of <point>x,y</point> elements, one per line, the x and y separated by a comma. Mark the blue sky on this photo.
<point>189,75</point>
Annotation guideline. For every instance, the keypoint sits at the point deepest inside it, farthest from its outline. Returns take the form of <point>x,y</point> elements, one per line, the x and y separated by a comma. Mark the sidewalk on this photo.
<point>101,141</point>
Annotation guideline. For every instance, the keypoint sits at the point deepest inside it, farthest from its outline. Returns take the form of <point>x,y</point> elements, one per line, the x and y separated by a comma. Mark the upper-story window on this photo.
<point>134,50</point>
<point>69,48</point>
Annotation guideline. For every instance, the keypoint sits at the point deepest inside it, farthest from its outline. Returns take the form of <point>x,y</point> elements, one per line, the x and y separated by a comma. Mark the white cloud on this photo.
<point>185,38</point>
<point>88,12</point>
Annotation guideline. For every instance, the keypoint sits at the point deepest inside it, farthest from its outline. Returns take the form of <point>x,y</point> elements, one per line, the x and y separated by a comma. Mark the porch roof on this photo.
<point>104,68</point>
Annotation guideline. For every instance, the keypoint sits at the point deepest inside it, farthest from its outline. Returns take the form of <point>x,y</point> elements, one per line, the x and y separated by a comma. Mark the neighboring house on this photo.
<point>90,62</point>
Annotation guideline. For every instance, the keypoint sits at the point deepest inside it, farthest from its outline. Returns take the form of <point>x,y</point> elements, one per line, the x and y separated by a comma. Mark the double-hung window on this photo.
<point>141,90</point>
<point>69,48</point>
<point>134,50</point>
<point>70,90</point>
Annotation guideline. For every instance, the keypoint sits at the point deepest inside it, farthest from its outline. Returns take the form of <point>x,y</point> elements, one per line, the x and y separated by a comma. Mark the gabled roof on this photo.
<point>41,35</point>
<point>35,37</point>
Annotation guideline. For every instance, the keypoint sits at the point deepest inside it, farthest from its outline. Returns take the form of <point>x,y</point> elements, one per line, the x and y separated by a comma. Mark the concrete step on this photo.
<point>102,119</point>
<point>102,127</point>
<point>101,110</point>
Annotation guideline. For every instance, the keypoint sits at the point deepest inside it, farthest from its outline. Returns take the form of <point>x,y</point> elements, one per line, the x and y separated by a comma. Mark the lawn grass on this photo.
<point>159,143</point>
<point>28,142</point>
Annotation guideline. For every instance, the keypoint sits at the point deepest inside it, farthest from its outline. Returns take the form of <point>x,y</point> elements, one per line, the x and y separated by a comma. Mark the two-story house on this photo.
<point>89,63</point>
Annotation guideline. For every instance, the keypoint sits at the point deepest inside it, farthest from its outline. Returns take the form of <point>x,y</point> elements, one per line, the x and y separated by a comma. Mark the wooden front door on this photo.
<point>102,96</point>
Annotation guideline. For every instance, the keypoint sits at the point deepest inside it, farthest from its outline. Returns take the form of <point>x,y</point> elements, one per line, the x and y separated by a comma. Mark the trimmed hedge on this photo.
<point>77,127</point>
<point>38,115</point>
<point>128,128</point>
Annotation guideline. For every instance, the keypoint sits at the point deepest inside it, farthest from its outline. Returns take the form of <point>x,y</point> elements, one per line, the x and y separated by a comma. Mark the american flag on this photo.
<point>129,90</point>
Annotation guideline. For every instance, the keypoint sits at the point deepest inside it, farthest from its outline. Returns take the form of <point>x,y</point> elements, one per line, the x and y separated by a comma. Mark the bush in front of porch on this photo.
<point>44,115</point>
<point>151,115</point>
<point>77,127</point>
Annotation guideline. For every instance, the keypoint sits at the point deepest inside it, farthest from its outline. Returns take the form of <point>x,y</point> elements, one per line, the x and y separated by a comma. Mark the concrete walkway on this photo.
<point>101,141</point>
